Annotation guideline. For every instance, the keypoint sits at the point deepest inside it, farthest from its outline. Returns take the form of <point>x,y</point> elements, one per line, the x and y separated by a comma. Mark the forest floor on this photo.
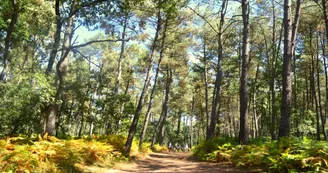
<point>170,162</point>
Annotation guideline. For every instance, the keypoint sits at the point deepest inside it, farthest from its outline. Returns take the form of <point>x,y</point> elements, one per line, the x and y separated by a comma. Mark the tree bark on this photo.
<point>218,80</point>
<point>315,95</point>
<point>165,106</point>
<point>179,124</point>
<point>324,7</point>
<point>326,80</point>
<point>119,65</point>
<point>152,94</point>
<point>255,117</point>
<point>284,128</point>
<point>319,91</point>
<point>206,87</point>
<point>55,46</point>
<point>243,133</point>
<point>191,130</point>
<point>137,113</point>
<point>8,39</point>
<point>61,72</point>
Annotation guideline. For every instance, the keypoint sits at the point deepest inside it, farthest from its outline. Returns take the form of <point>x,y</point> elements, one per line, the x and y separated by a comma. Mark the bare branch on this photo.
<point>96,41</point>
<point>88,59</point>
<point>204,19</point>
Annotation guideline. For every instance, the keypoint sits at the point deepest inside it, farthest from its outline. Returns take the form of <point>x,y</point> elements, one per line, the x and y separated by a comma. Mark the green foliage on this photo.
<point>145,148</point>
<point>117,141</point>
<point>285,155</point>
<point>158,148</point>
<point>207,150</point>
<point>21,103</point>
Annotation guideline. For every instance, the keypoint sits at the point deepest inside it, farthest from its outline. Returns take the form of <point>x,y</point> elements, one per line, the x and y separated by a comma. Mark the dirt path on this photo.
<point>172,162</point>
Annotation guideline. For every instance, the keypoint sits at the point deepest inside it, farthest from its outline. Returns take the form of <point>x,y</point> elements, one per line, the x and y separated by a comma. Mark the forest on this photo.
<point>96,82</point>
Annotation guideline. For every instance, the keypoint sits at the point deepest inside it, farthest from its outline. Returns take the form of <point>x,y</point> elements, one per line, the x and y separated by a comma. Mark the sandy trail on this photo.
<point>172,162</point>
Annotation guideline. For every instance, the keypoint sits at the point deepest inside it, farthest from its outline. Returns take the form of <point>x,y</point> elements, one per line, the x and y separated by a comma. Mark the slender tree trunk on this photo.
<point>70,116</point>
<point>315,100</point>
<point>319,91</point>
<point>81,124</point>
<point>243,134</point>
<point>217,86</point>
<point>272,79</point>
<point>326,80</point>
<point>119,65</point>
<point>290,31</point>
<point>133,127</point>
<point>191,124</point>
<point>55,46</point>
<point>161,57</point>
<point>61,72</point>
<point>179,123</point>
<point>307,89</point>
<point>206,87</point>
<point>324,8</point>
<point>165,106</point>
<point>8,39</point>
<point>312,84</point>
<point>254,103</point>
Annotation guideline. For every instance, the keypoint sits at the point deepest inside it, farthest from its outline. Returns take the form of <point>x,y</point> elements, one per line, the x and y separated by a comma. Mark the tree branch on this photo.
<point>204,19</point>
<point>88,59</point>
<point>80,6</point>
<point>96,41</point>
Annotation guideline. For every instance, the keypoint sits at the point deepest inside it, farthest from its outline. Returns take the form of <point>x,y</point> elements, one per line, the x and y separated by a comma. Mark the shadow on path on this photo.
<point>174,162</point>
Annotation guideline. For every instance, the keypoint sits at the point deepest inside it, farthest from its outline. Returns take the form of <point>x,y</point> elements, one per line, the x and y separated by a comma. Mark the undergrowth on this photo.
<point>49,154</point>
<point>285,155</point>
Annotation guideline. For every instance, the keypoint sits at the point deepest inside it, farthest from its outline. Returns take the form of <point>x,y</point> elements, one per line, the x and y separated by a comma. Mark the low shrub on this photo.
<point>285,155</point>
<point>50,154</point>
<point>145,148</point>
<point>158,148</point>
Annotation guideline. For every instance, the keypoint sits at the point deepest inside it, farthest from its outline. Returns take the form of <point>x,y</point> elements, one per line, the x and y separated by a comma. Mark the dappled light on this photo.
<point>163,86</point>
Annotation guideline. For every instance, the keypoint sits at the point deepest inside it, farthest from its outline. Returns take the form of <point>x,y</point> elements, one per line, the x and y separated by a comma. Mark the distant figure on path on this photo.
<point>170,146</point>
<point>186,149</point>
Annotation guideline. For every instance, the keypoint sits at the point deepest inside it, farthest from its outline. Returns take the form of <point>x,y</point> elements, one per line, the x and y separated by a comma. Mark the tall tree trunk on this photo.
<point>243,133</point>
<point>273,84</point>
<point>119,65</point>
<point>326,80</point>
<point>165,106</point>
<point>290,31</point>
<point>206,87</point>
<point>312,85</point>
<point>217,86</point>
<point>319,91</point>
<point>272,76</point>
<point>70,116</point>
<point>137,113</point>
<point>324,8</point>
<point>230,115</point>
<point>255,118</point>
<point>55,46</point>
<point>307,89</point>
<point>8,39</point>
<point>61,72</point>
<point>191,124</point>
<point>179,123</point>
<point>315,100</point>
<point>152,94</point>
